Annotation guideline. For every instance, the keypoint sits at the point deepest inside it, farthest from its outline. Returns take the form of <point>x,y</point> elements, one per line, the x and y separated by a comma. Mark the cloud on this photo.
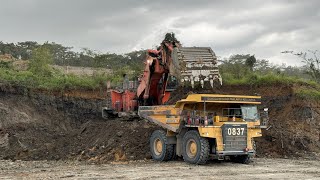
<point>263,28</point>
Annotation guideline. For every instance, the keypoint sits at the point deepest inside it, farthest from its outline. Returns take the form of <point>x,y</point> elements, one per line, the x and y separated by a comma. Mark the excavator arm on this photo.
<point>153,82</point>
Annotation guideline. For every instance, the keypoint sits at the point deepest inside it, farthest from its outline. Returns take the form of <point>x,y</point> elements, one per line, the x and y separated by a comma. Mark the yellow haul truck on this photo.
<point>205,126</point>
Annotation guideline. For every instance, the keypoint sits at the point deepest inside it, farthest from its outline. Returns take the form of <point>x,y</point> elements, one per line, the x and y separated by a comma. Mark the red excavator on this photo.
<point>165,68</point>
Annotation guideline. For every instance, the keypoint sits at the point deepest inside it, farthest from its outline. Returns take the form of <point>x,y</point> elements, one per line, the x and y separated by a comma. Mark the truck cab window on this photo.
<point>249,113</point>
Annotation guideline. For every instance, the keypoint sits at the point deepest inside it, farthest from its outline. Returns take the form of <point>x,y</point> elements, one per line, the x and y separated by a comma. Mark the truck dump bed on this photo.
<point>167,117</point>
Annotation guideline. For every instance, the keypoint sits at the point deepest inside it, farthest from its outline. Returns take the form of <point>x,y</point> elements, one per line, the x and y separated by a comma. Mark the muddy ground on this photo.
<point>261,168</point>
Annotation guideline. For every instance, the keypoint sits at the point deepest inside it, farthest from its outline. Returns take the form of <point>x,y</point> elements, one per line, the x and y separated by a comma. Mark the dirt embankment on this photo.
<point>42,125</point>
<point>38,126</point>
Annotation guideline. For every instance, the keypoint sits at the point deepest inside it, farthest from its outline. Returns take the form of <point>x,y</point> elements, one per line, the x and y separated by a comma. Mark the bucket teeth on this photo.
<point>204,82</point>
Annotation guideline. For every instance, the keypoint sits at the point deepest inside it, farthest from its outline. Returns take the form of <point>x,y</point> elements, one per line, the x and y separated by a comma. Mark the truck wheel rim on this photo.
<point>191,148</point>
<point>157,147</point>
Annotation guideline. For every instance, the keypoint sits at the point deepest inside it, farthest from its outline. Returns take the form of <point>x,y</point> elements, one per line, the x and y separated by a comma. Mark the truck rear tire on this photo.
<point>159,147</point>
<point>195,149</point>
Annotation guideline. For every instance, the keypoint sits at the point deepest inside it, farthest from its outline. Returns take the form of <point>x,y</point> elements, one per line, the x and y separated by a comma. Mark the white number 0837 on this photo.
<point>235,131</point>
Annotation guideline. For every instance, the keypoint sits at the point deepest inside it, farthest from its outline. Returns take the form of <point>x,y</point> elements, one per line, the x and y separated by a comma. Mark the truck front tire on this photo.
<point>159,147</point>
<point>195,149</point>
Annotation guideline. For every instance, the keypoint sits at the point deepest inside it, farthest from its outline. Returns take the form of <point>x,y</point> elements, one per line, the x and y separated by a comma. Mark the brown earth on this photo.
<point>68,125</point>
<point>38,126</point>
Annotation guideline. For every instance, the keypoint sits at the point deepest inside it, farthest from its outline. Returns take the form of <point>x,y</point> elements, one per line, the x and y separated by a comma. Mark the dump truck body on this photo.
<point>228,122</point>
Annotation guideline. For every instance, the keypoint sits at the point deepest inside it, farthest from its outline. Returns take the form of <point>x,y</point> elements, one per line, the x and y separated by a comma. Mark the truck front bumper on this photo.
<point>221,154</point>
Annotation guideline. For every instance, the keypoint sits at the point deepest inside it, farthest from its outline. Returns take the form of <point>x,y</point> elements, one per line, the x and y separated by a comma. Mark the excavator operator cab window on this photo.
<point>172,83</point>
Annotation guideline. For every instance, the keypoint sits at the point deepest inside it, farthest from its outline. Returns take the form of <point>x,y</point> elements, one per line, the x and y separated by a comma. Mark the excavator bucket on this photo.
<point>195,66</point>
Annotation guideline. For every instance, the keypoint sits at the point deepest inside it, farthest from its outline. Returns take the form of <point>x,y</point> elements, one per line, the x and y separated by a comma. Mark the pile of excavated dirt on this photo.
<point>68,125</point>
<point>95,140</point>
<point>38,126</point>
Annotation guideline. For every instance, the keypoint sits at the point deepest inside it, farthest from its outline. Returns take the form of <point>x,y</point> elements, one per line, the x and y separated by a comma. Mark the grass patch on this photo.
<point>309,94</point>
<point>56,81</point>
<point>304,89</point>
<point>267,79</point>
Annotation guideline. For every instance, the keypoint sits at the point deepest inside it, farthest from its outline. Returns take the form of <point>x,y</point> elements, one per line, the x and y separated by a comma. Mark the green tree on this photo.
<point>24,49</point>
<point>19,50</point>
<point>8,48</point>
<point>235,66</point>
<point>312,63</point>
<point>40,60</point>
<point>250,61</point>
<point>61,54</point>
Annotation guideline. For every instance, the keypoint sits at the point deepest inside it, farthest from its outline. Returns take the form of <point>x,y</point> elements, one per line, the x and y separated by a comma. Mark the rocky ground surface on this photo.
<point>260,168</point>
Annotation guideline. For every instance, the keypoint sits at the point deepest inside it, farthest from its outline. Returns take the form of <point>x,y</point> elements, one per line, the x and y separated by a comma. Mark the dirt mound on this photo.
<point>38,126</point>
<point>114,140</point>
<point>96,141</point>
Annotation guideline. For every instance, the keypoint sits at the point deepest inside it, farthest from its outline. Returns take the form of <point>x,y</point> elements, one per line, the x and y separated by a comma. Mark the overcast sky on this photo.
<point>263,28</point>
